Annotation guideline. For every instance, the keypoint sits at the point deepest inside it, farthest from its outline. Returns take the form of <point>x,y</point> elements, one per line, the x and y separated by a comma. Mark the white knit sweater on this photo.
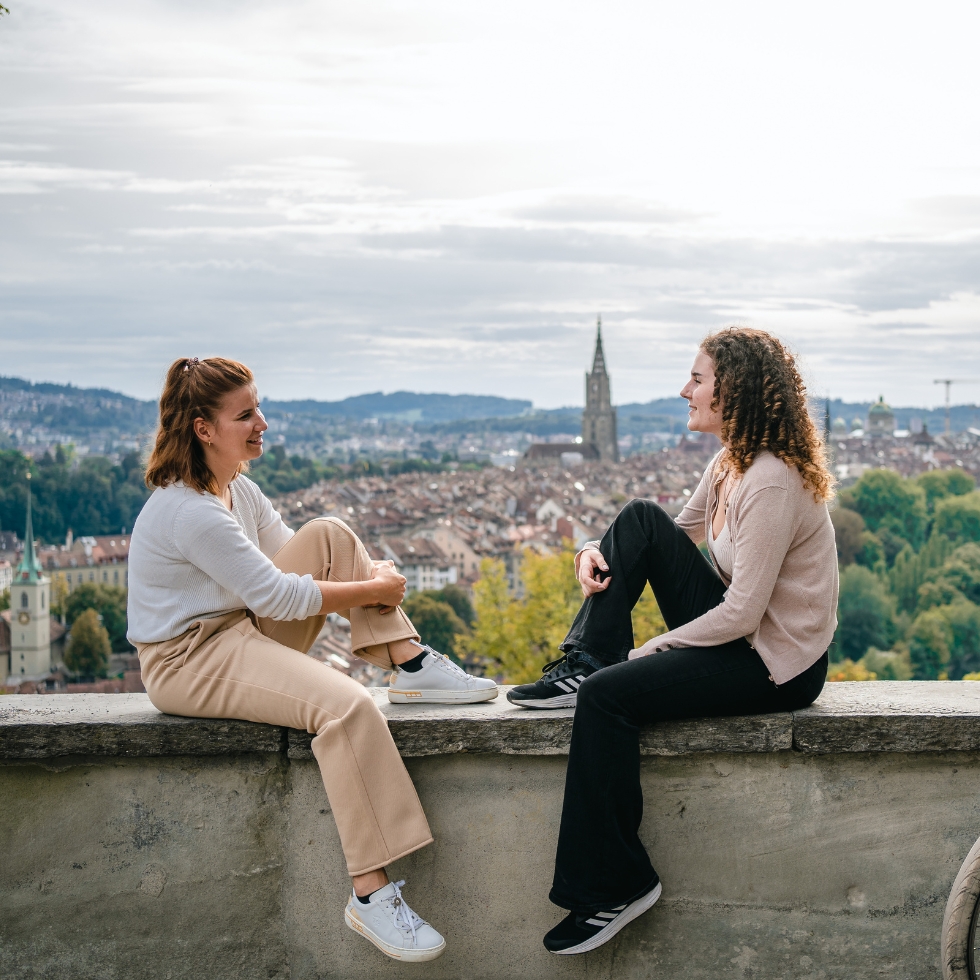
<point>191,558</point>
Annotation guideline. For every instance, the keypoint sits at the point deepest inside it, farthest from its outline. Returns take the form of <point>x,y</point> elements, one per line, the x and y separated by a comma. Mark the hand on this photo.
<point>389,586</point>
<point>590,564</point>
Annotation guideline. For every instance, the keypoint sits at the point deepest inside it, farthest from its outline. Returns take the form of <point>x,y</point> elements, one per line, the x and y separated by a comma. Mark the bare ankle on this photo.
<point>370,882</point>
<point>402,650</point>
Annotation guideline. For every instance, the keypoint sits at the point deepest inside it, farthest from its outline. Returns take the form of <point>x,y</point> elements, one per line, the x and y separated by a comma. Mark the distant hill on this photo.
<point>407,406</point>
<point>72,410</point>
<point>79,411</point>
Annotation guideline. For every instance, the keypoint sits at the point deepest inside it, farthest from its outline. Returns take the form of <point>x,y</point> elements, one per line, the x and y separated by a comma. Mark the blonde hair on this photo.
<point>193,389</point>
<point>763,406</point>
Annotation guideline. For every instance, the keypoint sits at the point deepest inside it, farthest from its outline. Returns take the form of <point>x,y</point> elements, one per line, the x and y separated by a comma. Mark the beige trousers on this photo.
<point>239,666</point>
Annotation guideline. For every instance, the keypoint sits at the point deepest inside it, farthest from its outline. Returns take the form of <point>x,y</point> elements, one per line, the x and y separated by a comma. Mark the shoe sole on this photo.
<point>561,701</point>
<point>442,697</point>
<point>640,906</point>
<point>395,952</point>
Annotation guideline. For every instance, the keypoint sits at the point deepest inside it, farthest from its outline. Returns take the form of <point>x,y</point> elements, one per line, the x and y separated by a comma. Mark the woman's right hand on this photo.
<point>590,564</point>
<point>389,586</point>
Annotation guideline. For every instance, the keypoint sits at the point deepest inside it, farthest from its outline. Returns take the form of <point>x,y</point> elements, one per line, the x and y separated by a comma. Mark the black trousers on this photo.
<point>601,863</point>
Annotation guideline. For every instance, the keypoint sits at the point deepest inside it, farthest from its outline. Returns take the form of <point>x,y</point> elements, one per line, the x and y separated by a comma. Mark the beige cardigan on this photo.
<point>782,596</point>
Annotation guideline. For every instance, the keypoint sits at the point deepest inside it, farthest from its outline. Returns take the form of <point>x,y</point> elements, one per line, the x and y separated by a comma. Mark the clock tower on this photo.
<point>30,613</point>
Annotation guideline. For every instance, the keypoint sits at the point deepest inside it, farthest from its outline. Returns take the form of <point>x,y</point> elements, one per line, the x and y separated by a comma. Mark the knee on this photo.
<point>362,707</point>
<point>329,526</point>
<point>594,693</point>
<point>642,509</point>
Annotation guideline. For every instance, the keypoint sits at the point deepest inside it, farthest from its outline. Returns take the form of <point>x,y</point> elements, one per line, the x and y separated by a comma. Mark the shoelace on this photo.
<point>559,667</point>
<point>444,662</point>
<point>405,918</point>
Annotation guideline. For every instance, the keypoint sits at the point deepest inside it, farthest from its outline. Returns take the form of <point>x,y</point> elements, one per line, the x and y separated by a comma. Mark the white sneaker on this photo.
<point>393,927</point>
<point>439,681</point>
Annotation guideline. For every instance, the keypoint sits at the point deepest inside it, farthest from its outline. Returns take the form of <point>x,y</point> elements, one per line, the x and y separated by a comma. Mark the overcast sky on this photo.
<point>441,196</point>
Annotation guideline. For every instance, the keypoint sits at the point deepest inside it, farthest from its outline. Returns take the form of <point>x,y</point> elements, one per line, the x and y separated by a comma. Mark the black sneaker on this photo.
<point>579,932</point>
<point>558,688</point>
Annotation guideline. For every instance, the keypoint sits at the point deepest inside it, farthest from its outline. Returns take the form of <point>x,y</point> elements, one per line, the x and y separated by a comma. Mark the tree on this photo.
<point>939,484</point>
<point>520,635</point>
<point>848,530</point>
<point>436,621</point>
<point>647,620</point>
<point>493,636</point>
<point>872,551</point>
<point>958,518</point>
<point>88,647</point>
<point>930,641</point>
<point>4,599</point>
<point>888,665</point>
<point>964,654</point>
<point>911,570</point>
<point>458,599</point>
<point>865,614</point>
<point>848,670</point>
<point>93,497</point>
<point>109,601</point>
<point>885,499</point>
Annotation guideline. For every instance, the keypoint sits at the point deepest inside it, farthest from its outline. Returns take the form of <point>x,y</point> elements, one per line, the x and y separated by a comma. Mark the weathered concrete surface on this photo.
<point>33,727</point>
<point>158,870</point>
<point>816,861</point>
<point>501,728</point>
<point>889,716</point>
<point>773,867</point>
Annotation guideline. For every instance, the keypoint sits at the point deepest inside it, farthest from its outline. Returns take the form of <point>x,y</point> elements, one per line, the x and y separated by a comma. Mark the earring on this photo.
<point>209,442</point>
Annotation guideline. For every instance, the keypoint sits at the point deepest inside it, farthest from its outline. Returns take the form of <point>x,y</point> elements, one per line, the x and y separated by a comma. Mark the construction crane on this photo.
<point>949,382</point>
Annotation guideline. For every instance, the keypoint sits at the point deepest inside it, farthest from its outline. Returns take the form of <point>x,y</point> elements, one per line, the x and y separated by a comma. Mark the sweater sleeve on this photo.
<point>208,536</point>
<point>272,529</point>
<point>763,534</point>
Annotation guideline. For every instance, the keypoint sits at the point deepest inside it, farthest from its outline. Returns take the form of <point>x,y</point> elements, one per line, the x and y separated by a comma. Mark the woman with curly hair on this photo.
<point>747,633</point>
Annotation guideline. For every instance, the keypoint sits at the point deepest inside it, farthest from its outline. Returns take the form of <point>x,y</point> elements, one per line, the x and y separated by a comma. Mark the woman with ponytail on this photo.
<point>748,631</point>
<point>224,602</point>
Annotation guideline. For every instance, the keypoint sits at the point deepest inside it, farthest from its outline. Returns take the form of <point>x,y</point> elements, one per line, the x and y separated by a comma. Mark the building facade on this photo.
<point>599,417</point>
<point>30,612</point>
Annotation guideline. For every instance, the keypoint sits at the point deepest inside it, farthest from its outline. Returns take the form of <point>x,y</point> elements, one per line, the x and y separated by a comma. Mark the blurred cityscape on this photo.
<point>439,484</point>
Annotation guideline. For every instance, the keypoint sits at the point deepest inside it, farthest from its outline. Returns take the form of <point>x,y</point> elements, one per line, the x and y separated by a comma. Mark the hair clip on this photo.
<point>191,361</point>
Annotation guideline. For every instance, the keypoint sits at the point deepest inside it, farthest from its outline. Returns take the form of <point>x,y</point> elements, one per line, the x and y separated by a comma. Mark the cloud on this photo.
<point>421,198</point>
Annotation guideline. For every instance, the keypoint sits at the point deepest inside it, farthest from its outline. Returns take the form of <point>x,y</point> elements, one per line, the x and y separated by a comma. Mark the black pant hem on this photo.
<point>564,903</point>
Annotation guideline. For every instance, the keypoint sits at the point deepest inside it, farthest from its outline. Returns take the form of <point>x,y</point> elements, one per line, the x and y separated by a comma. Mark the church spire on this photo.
<point>599,361</point>
<point>29,569</point>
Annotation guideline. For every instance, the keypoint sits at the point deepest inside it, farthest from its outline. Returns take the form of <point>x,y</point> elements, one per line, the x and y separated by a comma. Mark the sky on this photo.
<point>442,196</point>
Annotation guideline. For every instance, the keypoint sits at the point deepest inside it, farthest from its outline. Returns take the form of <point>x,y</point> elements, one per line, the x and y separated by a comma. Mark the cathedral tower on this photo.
<point>30,615</point>
<point>599,417</point>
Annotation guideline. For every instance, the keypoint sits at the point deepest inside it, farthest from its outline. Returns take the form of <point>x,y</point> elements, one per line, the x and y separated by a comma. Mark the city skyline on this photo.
<point>425,198</point>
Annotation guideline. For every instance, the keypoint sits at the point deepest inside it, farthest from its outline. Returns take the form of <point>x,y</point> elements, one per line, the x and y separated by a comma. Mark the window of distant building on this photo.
<point>42,600</point>
<point>24,600</point>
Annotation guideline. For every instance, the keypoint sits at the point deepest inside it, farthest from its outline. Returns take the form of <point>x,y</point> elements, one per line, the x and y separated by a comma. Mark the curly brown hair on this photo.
<point>193,389</point>
<point>763,406</point>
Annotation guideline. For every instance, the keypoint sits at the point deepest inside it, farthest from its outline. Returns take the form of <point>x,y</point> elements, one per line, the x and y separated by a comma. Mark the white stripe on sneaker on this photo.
<point>608,915</point>
<point>567,688</point>
<point>576,681</point>
<point>596,922</point>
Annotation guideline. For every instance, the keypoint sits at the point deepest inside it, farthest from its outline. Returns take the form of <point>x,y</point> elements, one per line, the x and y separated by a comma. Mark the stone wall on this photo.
<point>820,844</point>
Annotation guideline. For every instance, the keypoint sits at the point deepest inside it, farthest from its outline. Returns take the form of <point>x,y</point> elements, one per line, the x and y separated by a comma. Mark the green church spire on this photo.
<point>29,569</point>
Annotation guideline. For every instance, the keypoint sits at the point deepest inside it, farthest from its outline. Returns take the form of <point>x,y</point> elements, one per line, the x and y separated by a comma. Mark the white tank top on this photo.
<point>721,549</point>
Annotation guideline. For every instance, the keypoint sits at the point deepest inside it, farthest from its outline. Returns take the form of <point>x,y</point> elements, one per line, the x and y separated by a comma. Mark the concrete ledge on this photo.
<point>880,716</point>
<point>818,845</point>
<point>500,728</point>
<point>38,726</point>
<point>891,716</point>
